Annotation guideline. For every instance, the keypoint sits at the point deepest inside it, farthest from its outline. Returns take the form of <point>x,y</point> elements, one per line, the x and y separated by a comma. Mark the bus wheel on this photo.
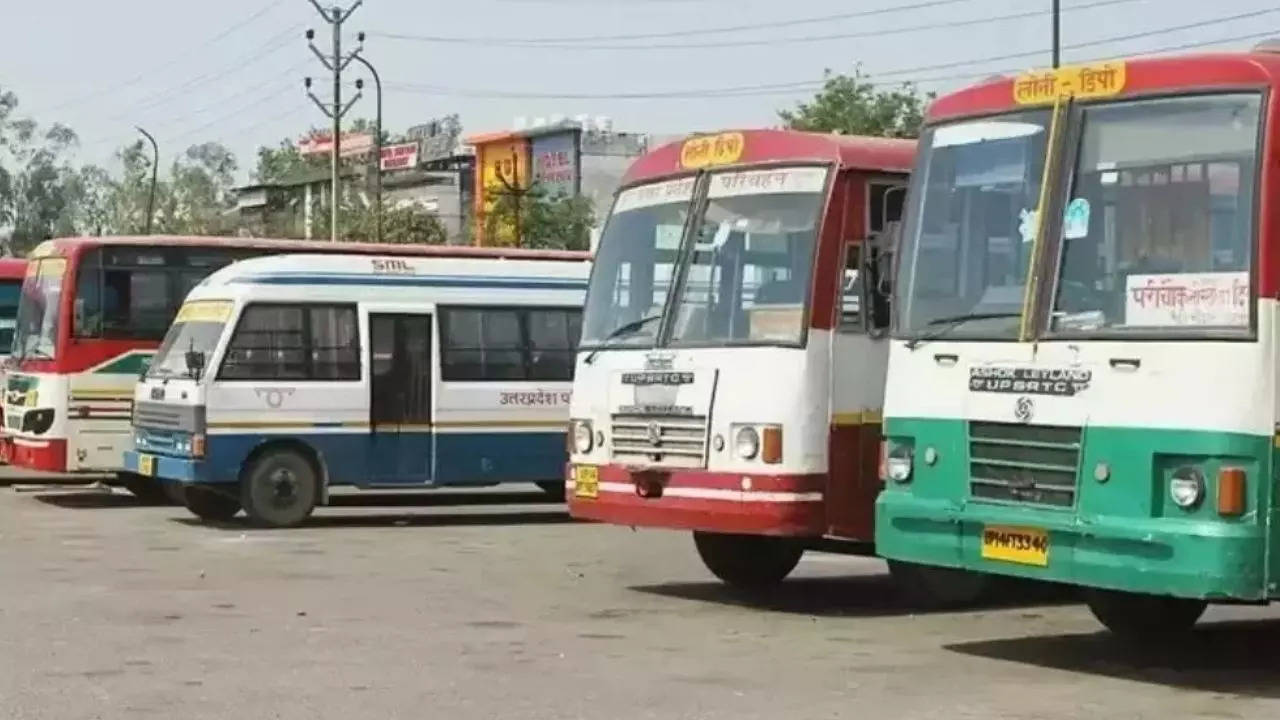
<point>148,490</point>
<point>554,490</point>
<point>938,588</point>
<point>748,561</point>
<point>212,503</point>
<point>1144,617</point>
<point>279,490</point>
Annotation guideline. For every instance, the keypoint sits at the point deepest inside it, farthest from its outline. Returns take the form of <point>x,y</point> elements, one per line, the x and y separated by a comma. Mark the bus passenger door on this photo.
<point>400,444</point>
<point>860,354</point>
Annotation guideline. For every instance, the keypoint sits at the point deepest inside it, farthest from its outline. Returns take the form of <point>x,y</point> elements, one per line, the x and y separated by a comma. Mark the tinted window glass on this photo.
<point>334,344</point>
<point>268,345</point>
<point>508,343</point>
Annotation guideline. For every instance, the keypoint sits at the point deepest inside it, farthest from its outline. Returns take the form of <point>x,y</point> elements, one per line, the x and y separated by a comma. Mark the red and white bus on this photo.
<point>732,363</point>
<point>12,270</point>
<point>93,312</point>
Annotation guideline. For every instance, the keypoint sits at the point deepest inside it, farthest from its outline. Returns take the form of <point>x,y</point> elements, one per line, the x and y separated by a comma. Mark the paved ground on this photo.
<point>434,609</point>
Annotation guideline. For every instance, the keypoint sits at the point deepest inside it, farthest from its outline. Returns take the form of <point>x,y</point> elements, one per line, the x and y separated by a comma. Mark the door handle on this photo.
<point>1127,364</point>
<point>946,359</point>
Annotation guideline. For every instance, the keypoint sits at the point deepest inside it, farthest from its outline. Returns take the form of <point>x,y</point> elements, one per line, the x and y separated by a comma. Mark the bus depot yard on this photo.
<point>495,604</point>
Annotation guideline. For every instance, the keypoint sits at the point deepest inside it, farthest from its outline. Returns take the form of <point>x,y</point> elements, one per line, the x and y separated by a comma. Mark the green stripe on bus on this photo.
<point>129,364</point>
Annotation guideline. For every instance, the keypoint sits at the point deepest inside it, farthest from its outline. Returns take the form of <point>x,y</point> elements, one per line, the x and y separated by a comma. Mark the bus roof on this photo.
<point>65,246</point>
<point>12,268</point>
<point>1143,76</point>
<point>764,146</point>
<point>311,269</point>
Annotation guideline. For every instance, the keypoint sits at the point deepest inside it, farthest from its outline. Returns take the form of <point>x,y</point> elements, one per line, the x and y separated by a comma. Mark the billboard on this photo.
<point>322,143</point>
<point>557,162</point>
<point>400,157</point>
<point>501,164</point>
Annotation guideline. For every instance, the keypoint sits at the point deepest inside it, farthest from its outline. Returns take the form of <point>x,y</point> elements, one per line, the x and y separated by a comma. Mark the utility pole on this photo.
<point>1057,33</point>
<point>155,167</point>
<point>336,63</point>
<point>377,140</point>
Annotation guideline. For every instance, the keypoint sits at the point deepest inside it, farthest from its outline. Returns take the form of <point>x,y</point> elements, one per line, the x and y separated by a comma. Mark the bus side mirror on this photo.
<point>195,363</point>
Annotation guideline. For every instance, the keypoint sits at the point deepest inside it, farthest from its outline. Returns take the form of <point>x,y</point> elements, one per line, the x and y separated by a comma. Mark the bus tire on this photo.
<point>212,503</point>
<point>748,561</point>
<point>938,588</point>
<point>554,490</point>
<point>1144,617</point>
<point>280,489</point>
<point>148,490</point>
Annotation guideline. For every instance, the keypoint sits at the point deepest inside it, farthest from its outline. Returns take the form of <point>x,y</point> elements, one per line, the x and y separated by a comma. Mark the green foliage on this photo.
<point>852,105</point>
<point>36,177</point>
<point>537,218</point>
<point>401,224</point>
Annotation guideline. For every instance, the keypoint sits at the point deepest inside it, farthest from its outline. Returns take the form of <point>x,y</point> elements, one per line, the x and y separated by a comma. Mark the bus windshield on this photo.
<point>196,329</point>
<point>746,277</point>
<point>744,270</point>
<point>1157,235</point>
<point>36,333</point>
<point>10,291</point>
<point>635,263</point>
<point>970,227</point>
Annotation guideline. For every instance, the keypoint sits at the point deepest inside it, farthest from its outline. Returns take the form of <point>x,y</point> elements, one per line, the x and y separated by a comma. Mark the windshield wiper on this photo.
<point>622,329</point>
<point>951,322</point>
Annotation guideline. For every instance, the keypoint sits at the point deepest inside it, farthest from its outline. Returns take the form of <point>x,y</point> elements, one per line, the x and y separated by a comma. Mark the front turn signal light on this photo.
<point>771,444</point>
<point>1231,490</point>
<point>197,445</point>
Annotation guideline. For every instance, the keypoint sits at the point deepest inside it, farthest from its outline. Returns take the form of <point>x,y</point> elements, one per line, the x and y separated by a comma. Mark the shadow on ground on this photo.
<point>1241,657</point>
<point>94,500</point>
<point>851,596</point>
<point>84,498</point>
<point>378,520</point>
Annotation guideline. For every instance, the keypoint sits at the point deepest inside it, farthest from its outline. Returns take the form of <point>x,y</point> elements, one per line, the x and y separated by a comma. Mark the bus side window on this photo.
<point>553,342</point>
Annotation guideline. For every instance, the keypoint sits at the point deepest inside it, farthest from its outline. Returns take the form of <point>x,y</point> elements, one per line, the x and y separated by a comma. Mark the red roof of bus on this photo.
<point>761,146</point>
<point>12,268</point>
<point>1143,76</point>
<point>64,246</point>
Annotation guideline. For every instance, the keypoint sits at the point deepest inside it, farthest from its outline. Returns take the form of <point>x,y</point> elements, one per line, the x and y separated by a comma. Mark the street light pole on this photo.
<point>1057,33</point>
<point>335,16</point>
<point>377,145</point>
<point>155,167</point>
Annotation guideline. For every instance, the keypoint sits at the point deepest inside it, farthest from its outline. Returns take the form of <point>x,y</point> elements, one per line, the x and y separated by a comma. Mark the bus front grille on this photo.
<point>1035,464</point>
<point>165,416</point>
<point>667,441</point>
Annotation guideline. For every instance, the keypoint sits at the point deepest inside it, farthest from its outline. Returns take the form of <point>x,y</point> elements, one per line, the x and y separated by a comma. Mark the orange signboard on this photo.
<point>502,165</point>
<point>708,150</point>
<point>1043,87</point>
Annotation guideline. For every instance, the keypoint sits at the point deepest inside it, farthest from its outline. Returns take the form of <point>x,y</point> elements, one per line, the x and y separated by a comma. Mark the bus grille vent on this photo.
<point>678,441</point>
<point>1034,464</point>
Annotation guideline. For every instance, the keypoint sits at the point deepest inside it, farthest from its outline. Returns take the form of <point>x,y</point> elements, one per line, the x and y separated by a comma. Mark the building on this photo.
<point>579,157</point>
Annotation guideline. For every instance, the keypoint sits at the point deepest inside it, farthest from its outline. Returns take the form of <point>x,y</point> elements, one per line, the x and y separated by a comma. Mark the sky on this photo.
<point>232,71</point>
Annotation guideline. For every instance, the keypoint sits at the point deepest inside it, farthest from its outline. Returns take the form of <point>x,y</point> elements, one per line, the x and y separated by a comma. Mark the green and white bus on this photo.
<point>1082,381</point>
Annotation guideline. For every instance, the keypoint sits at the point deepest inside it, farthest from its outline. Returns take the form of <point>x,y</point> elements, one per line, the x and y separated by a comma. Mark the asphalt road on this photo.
<point>493,605</point>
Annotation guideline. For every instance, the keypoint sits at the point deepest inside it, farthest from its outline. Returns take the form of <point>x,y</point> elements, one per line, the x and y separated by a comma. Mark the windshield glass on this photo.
<point>748,272</point>
<point>10,291</point>
<point>634,262</point>
<point>971,225</point>
<point>1158,231</point>
<point>36,333</point>
<point>197,328</point>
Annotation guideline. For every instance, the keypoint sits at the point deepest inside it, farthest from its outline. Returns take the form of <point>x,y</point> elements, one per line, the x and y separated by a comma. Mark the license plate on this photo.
<point>146,465</point>
<point>1022,545</point>
<point>586,481</point>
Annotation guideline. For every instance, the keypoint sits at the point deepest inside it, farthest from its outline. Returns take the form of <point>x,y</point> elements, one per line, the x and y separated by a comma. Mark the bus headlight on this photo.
<point>1186,487</point>
<point>583,440</point>
<point>746,442</point>
<point>896,461</point>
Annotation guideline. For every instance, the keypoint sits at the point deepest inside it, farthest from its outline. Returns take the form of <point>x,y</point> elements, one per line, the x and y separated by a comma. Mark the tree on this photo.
<point>35,192</point>
<point>537,218</point>
<point>852,105</point>
<point>201,191</point>
<point>402,224</point>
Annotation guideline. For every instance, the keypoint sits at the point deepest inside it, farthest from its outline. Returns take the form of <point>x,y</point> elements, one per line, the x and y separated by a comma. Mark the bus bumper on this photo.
<point>46,455</point>
<point>1201,559</point>
<point>780,505</point>
<point>164,467</point>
